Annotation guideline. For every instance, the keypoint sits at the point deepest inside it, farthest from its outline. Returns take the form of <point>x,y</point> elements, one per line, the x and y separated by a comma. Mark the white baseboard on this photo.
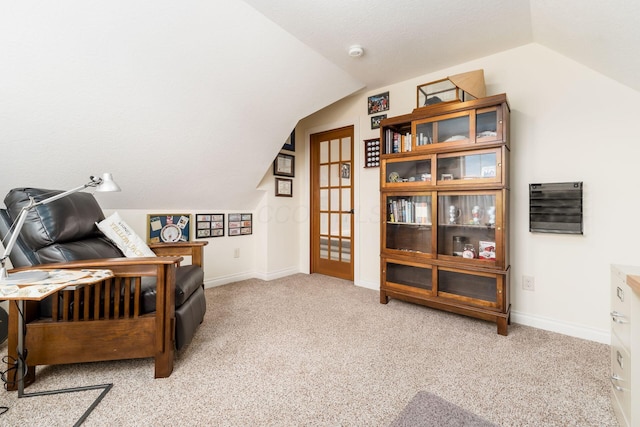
<point>565,328</point>
<point>224,280</point>
<point>375,286</point>
<point>272,275</point>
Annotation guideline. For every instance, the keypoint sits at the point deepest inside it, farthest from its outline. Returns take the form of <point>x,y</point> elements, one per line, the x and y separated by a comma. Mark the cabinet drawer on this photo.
<point>621,379</point>
<point>621,308</point>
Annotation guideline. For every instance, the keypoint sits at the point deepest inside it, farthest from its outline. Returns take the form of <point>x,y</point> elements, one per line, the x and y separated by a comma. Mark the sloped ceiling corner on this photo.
<point>603,35</point>
<point>185,103</point>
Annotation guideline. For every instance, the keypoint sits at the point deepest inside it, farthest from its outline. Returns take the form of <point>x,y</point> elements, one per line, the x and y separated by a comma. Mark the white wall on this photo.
<point>275,247</point>
<point>279,253</point>
<point>569,123</point>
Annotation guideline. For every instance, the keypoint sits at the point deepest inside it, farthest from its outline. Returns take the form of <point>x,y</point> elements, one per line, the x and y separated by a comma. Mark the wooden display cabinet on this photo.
<point>445,208</point>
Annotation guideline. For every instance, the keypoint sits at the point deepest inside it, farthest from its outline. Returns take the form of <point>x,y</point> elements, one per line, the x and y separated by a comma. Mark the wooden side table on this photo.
<point>54,281</point>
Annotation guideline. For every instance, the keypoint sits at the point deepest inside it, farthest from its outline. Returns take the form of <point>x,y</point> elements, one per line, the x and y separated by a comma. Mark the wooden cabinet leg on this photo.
<point>502,326</point>
<point>383,298</point>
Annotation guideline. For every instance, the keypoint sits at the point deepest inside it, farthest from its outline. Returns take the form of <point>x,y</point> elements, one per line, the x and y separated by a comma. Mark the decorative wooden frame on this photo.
<point>161,228</point>
<point>240,224</point>
<point>378,103</point>
<point>209,225</point>
<point>284,187</point>
<point>372,152</point>
<point>284,165</point>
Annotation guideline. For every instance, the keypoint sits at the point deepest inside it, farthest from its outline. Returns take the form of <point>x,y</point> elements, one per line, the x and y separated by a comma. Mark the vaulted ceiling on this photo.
<point>407,38</point>
<point>187,103</point>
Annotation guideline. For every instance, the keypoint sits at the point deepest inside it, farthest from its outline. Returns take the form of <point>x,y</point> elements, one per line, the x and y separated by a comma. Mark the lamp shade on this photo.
<point>107,184</point>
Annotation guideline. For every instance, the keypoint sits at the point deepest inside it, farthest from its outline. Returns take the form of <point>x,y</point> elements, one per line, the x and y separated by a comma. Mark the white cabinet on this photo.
<point>625,344</point>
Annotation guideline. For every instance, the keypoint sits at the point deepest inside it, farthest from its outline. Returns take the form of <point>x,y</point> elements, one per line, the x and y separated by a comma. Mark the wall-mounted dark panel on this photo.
<point>556,207</point>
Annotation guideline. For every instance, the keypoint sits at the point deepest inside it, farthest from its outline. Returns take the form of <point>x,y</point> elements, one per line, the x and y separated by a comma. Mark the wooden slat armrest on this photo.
<point>192,249</point>
<point>147,266</point>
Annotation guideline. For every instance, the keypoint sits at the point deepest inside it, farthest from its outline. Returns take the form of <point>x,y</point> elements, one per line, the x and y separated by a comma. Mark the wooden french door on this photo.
<point>332,203</point>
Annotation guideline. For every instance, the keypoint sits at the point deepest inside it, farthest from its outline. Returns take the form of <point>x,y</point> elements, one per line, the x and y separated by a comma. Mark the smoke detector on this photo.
<point>356,51</point>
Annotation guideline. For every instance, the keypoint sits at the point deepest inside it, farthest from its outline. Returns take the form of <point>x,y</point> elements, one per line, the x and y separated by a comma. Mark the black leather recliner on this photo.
<point>65,230</point>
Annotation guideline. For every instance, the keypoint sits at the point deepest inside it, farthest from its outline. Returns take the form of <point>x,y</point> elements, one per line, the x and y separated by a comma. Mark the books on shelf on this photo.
<point>409,211</point>
<point>396,142</point>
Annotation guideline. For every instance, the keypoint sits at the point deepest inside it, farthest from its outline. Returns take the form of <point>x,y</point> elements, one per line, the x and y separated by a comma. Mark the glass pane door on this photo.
<point>332,210</point>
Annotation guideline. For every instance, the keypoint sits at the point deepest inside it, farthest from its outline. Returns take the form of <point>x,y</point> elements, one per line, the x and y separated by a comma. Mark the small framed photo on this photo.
<point>375,121</point>
<point>345,170</point>
<point>168,228</point>
<point>290,145</point>
<point>446,177</point>
<point>240,224</point>
<point>284,165</point>
<point>378,103</point>
<point>209,225</point>
<point>284,187</point>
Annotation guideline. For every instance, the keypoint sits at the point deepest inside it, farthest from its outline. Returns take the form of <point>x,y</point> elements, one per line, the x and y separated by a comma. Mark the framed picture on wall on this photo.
<point>168,228</point>
<point>209,225</point>
<point>240,224</point>
<point>375,121</point>
<point>284,187</point>
<point>290,145</point>
<point>284,165</point>
<point>378,103</point>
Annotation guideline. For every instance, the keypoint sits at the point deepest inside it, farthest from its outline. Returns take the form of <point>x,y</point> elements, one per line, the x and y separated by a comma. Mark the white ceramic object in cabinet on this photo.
<point>625,344</point>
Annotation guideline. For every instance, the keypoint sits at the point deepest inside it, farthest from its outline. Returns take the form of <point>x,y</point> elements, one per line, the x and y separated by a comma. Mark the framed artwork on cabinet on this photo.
<point>168,228</point>
<point>284,165</point>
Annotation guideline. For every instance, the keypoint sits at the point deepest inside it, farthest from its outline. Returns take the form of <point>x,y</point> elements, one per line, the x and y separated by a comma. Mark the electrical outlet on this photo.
<point>528,284</point>
<point>236,253</point>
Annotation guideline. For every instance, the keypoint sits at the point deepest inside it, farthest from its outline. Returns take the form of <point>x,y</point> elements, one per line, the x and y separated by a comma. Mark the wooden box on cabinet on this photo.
<point>444,185</point>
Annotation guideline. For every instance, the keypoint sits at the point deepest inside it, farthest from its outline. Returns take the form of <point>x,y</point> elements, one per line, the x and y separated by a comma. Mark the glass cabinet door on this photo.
<point>481,289</point>
<point>401,172</point>
<point>472,167</point>
<point>469,226</point>
<point>450,128</point>
<point>489,124</point>
<point>408,223</point>
<point>405,274</point>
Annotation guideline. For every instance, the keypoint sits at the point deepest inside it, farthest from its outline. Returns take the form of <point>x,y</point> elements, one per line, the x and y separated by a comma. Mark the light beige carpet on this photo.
<point>308,350</point>
<point>428,410</point>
